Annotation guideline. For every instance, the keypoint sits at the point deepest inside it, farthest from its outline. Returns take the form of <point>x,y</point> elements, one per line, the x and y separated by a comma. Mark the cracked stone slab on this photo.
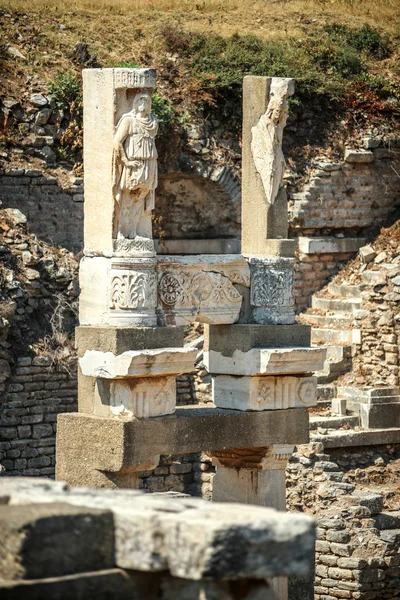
<point>138,363</point>
<point>190,536</point>
<point>266,361</point>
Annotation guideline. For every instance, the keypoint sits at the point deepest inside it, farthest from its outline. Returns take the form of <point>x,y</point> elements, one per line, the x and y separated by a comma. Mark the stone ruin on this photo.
<point>134,307</point>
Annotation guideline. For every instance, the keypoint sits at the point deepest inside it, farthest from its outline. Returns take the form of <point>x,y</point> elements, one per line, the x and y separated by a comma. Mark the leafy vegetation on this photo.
<point>325,64</point>
<point>66,90</point>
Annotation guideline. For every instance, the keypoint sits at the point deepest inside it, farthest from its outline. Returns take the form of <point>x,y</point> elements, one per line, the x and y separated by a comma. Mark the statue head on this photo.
<point>142,103</point>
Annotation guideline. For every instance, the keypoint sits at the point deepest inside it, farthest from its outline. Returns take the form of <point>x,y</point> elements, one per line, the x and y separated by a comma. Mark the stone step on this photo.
<point>327,322</point>
<point>387,520</point>
<point>333,422</point>
<point>342,438</point>
<point>336,337</point>
<point>344,291</point>
<point>338,306</point>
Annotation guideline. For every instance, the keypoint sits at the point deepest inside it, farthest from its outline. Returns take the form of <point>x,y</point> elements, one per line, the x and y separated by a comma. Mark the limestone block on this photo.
<point>99,451</point>
<point>250,486</point>
<point>358,156</point>
<point>266,361</point>
<point>121,339</point>
<point>188,536</point>
<point>200,288</point>
<point>271,290</point>
<point>367,254</point>
<point>138,363</point>
<point>229,338</point>
<point>264,393</point>
<point>329,245</point>
<point>118,292</point>
<point>138,398</point>
<point>379,416</point>
<point>49,540</point>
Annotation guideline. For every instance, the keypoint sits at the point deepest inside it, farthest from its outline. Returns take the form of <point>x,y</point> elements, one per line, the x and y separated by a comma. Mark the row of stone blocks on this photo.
<point>69,543</point>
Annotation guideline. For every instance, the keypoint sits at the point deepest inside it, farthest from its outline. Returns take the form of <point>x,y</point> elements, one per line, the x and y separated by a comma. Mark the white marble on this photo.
<point>264,393</point>
<point>266,361</point>
<point>138,363</point>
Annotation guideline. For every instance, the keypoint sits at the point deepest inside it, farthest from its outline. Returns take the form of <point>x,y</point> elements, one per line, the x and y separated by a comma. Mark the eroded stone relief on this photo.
<point>135,176</point>
<point>266,140</point>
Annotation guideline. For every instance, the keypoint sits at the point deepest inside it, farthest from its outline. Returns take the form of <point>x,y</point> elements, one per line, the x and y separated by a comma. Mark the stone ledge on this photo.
<point>195,246</point>
<point>329,245</point>
<point>348,439</point>
<point>86,443</point>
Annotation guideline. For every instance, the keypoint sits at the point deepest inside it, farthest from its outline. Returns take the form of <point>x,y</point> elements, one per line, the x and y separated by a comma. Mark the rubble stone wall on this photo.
<point>352,493</point>
<point>313,272</point>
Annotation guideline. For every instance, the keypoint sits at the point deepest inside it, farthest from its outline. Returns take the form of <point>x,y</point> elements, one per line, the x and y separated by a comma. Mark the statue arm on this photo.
<point>119,139</point>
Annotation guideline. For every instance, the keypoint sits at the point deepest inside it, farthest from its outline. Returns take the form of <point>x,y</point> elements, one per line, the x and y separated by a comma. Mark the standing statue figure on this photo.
<point>135,170</point>
<point>266,143</point>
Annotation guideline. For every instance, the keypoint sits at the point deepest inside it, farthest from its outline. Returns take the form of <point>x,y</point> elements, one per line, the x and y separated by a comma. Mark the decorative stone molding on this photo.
<point>267,457</point>
<point>136,384</point>
<point>133,292</point>
<point>143,398</point>
<point>200,288</point>
<point>264,393</point>
<point>271,290</point>
<point>266,361</point>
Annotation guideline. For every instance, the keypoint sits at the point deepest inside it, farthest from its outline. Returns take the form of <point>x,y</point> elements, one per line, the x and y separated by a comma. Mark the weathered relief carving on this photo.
<point>200,288</point>
<point>133,287</point>
<point>271,290</point>
<point>264,393</point>
<point>135,176</point>
<point>266,140</point>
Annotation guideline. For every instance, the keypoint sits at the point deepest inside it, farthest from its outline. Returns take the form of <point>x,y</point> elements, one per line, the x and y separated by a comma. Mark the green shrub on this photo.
<point>66,90</point>
<point>365,39</point>
<point>162,110</point>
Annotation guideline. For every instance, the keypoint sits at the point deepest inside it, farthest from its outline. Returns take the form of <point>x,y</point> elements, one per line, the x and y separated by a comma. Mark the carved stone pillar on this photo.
<point>271,290</point>
<point>252,475</point>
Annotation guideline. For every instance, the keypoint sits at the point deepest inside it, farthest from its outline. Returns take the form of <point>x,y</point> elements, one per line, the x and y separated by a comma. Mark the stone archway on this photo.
<point>200,206</point>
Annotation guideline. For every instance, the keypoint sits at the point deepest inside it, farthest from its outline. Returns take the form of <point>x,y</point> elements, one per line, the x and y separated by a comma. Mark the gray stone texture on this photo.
<point>228,338</point>
<point>50,540</point>
<point>114,448</point>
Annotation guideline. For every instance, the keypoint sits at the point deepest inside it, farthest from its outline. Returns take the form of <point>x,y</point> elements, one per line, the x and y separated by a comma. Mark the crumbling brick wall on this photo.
<point>54,211</point>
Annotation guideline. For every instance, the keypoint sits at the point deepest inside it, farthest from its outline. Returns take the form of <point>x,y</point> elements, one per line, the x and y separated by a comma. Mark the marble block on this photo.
<point>266,361</point>
<point>138,363</point>
<point>136,397</point>
<point>138,383</point>
<point>264,393</point>
<point>200,288</point>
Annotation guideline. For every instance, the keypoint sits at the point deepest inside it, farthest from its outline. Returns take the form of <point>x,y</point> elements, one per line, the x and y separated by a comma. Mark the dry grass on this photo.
<point>270,19</point>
